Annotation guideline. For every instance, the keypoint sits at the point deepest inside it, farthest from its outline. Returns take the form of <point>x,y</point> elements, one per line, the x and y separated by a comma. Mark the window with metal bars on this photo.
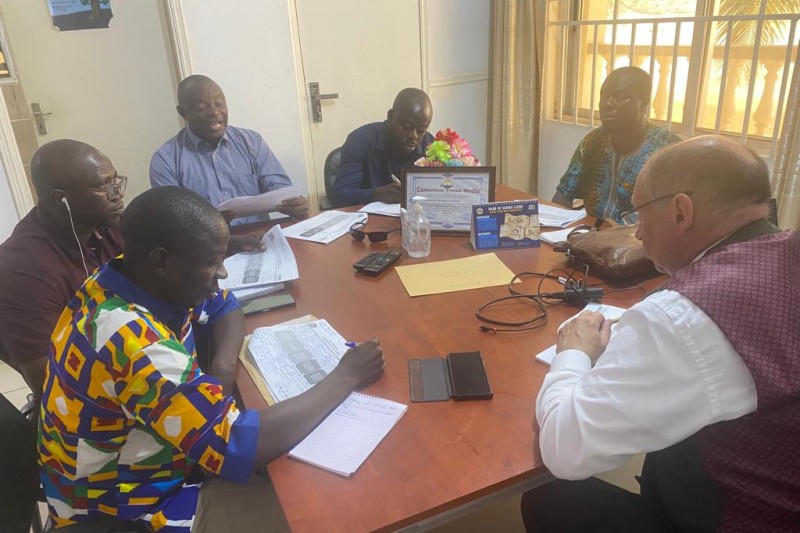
<point>718,66</point>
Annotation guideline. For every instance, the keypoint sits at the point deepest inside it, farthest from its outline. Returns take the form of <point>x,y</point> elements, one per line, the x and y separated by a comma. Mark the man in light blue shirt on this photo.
<point>217,161</point>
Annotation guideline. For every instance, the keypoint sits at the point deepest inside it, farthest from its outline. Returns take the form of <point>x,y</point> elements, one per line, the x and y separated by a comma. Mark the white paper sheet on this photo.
<point>293,358</point>
<point>609,311</point>
<point>559,217</point>
<point>552,237</point>
<point>380,208</point>
<point>344,440</point>
<point>325,227</point>
<point>244,295</point>
<point>256,269</point>
<point>243,206</point>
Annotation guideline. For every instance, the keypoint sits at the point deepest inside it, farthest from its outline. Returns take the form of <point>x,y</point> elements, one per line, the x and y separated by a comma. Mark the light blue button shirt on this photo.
<point>241,165</point>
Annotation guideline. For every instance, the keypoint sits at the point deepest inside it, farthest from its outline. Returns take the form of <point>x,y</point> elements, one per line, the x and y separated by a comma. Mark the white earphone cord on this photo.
<point>72,224</point>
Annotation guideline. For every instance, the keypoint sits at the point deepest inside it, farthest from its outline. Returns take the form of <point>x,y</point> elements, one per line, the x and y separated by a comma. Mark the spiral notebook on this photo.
<point>343,441</point>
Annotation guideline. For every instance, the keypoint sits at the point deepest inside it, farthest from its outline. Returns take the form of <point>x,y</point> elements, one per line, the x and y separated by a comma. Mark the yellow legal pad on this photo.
<point>474,272</point>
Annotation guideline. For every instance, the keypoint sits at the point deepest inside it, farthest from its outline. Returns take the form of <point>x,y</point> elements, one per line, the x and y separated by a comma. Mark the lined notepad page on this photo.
<point>344,440</point>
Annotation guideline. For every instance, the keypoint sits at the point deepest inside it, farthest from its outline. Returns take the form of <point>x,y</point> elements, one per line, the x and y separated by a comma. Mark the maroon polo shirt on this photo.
<point>40,270</point>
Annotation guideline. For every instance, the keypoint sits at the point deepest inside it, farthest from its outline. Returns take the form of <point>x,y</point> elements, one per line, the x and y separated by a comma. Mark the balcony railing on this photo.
<point>710,87</point>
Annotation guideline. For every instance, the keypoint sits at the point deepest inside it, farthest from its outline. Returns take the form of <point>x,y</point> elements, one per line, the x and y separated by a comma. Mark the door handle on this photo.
<point>39,117</point>
<point>316,98</point>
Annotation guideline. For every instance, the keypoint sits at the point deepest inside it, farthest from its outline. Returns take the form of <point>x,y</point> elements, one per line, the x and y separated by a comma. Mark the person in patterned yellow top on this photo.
<point>128,419</point>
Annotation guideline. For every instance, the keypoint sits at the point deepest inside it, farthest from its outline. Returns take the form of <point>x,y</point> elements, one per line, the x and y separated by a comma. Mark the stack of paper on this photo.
<point>293,357</point>
<point>558,216</point>
<point>552,237</point>
<point>380,208</point>
<point>609,311</point>
<point>244,295</point>
<point>258,273</point>
<point>344,440</point>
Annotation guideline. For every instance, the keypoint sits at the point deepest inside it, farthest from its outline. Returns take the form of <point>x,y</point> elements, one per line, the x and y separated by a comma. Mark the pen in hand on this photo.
<point>350,344</point>
<point>394,179</point>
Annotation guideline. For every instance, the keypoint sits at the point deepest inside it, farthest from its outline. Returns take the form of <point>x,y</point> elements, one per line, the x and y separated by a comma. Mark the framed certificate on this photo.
<point>449,192</point>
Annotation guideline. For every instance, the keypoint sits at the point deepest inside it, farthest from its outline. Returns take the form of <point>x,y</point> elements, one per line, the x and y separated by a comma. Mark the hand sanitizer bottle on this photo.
<point>404,227</point>
<point>419,230</point>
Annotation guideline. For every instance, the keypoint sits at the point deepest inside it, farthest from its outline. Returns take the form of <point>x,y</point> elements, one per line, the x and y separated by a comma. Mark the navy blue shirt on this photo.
<point>367,163</point>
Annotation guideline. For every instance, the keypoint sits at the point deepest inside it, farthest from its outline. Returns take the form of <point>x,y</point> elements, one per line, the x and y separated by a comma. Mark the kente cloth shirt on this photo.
<point>366,163</point>
<point>614,176</point>
<point>241,165</point>
<point>127,413</point>
<point>42,268</point>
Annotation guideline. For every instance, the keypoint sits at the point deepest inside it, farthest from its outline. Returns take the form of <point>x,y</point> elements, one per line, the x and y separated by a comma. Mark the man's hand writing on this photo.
<point>388,194</point>
<point>296,208</point>
<point>588,332</point>
<point>363,364</point>
<point>244,243</point>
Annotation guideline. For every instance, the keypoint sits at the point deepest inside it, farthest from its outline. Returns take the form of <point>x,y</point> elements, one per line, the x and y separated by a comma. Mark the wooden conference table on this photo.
<point>443,458</point>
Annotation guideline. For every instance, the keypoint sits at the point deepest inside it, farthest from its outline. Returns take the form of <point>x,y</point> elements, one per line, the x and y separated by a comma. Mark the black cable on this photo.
<point>575,291</point>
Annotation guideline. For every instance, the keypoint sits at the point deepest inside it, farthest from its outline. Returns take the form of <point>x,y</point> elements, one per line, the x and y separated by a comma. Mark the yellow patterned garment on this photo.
<point>127,413</point>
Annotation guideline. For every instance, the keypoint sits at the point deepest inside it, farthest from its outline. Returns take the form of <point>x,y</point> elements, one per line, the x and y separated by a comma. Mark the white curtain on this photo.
<point>786,171</point>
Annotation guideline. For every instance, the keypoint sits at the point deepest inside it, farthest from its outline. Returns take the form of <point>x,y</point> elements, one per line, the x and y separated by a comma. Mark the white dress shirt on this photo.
<point>667,372</point>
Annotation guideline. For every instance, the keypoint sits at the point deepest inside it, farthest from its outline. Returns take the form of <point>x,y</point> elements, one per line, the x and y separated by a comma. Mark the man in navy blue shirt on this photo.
<point>375,152</point>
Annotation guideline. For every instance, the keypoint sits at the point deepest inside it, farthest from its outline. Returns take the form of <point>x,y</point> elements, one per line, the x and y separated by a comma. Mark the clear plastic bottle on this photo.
<point>419,230</point>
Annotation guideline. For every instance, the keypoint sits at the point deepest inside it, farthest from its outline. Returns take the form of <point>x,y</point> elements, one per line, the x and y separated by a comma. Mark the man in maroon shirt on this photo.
<point>42,263</point>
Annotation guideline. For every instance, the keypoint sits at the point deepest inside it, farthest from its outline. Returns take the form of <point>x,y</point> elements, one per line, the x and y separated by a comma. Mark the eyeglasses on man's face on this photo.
<point>631,218</point>
<point>114,187</point>
<point>373,236</point>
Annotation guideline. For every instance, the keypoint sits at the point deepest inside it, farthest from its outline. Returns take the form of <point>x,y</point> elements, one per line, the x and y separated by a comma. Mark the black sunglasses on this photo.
<point>373,236</point>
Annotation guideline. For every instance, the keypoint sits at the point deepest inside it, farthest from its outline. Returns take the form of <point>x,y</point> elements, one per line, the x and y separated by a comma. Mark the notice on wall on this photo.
<point>70,15</point>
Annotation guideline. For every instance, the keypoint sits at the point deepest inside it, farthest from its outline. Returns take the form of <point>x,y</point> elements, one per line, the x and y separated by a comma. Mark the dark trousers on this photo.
<point>590,505</point>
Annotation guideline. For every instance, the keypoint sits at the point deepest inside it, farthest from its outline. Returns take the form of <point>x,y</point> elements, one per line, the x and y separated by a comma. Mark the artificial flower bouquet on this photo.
<point>448,149</point>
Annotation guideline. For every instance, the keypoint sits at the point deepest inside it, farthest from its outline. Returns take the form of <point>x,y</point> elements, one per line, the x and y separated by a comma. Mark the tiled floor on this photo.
<point>12,386</point>
<point>501,515</point>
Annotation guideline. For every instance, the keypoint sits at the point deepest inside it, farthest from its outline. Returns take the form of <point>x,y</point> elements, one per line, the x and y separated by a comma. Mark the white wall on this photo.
<point>458,67</point>
<point>8,213</point>
<point>246,47</point>
<point>557,143</point>
<point>108,87</point>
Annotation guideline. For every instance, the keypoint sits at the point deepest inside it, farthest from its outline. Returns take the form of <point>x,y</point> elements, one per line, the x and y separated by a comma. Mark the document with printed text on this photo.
<point>325,227</point>
<point>295,357</point>
<point>256,269</point>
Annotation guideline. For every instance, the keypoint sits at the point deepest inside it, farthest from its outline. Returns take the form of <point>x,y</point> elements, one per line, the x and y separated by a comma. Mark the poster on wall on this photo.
<point>69,15</point>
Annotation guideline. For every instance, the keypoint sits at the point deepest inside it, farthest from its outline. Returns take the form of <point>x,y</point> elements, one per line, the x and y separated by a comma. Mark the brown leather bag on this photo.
<point>613,253</point>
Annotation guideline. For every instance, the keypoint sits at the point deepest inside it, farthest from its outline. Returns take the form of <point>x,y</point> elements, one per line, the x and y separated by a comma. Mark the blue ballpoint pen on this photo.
<point>350,344</point>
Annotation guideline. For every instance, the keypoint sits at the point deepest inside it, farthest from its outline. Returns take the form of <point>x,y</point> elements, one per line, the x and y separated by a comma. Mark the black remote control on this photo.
<point>366,261</point>
<point>380,262</point>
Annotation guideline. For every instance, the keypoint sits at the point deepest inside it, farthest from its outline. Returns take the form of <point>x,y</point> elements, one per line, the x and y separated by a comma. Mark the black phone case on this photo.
<point>431,380</point>
<point>468,377</point>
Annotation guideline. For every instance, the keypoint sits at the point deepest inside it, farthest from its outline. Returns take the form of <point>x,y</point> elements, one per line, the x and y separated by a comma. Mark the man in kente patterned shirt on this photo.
<point>605,165</point>
<point>128,419</point>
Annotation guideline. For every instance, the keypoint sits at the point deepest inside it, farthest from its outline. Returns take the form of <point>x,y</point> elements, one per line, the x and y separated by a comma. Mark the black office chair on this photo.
<point>329,172</point>
<point>19,471</point>
<point>20,492</point>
